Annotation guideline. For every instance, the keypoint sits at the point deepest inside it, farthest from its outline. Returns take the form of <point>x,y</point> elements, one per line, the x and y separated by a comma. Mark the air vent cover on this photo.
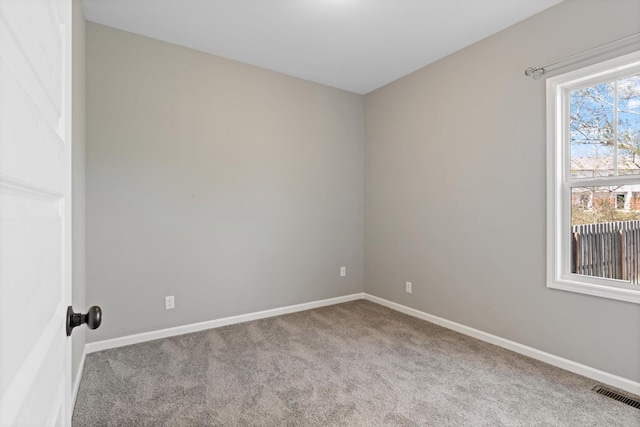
<point>617,396</point>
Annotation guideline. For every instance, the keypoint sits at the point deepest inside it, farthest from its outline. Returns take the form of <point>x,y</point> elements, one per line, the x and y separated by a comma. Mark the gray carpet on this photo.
<point>352,364</point>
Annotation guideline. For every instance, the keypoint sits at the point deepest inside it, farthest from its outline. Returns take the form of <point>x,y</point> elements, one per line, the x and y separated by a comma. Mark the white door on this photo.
<point>35,223</point>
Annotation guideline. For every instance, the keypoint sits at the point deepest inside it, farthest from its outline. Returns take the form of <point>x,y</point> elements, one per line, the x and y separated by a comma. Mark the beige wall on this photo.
<point>455,192</point>
<point>78,181</point>
<point>234,188</point>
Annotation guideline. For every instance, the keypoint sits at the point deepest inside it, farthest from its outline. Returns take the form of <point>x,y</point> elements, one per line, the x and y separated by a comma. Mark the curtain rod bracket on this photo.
<point>534,72</point>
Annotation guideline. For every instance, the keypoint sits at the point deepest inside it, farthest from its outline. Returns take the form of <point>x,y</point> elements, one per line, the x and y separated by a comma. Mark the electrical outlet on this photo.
<point>343,271</point>
<point>169,303</point>
<point>409,287</point>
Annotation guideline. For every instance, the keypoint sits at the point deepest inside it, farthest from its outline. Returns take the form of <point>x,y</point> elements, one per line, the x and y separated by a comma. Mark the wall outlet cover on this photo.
<point>169,302</point>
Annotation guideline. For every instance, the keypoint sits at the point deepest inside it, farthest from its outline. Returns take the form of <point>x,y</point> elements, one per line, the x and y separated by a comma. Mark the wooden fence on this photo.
<point>610,250</point>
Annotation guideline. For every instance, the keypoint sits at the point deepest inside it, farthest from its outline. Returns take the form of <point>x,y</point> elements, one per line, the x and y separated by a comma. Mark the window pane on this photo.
<point>605,229</point>
<point>592,131</point>
<point>629,125</point>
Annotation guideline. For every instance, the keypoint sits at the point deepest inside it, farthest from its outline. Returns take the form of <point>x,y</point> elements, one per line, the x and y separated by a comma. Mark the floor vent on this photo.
<point>635,403</point>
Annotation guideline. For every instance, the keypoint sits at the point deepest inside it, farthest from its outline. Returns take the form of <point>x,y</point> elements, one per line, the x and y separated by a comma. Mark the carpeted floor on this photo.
<point>352,364</point>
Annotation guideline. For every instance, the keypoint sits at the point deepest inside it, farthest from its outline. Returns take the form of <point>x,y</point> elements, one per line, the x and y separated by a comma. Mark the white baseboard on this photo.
<point>577,368</point>
<point>196,327</point>
<point>76,384</point>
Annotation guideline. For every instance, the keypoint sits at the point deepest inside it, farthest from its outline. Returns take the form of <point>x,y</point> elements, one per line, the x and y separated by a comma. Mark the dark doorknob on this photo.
<point>93,318</point>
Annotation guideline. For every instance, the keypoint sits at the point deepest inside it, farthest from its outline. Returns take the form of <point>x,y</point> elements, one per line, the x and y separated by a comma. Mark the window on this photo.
<point>593,173</point>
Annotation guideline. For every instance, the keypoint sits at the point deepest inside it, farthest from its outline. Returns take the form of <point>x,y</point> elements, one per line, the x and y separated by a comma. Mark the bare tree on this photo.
<point>593,110</point>
<point>595,135</point>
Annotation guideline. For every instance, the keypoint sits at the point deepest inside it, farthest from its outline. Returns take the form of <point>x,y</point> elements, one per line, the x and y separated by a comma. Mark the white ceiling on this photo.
<point>356,45</point>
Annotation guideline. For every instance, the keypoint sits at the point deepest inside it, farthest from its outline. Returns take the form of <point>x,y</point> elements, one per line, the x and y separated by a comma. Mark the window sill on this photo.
<point>598,290</point>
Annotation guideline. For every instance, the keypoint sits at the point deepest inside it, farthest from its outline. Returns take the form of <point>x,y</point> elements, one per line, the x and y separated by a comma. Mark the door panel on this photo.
<point>36,58</point>
<point>35,232</point>
<point>40,155</point>
<point>19,251</point>
<point>48,398</point>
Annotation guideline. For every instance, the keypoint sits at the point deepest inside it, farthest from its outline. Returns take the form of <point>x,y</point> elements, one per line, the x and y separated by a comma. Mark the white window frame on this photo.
<point>559,181</point>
